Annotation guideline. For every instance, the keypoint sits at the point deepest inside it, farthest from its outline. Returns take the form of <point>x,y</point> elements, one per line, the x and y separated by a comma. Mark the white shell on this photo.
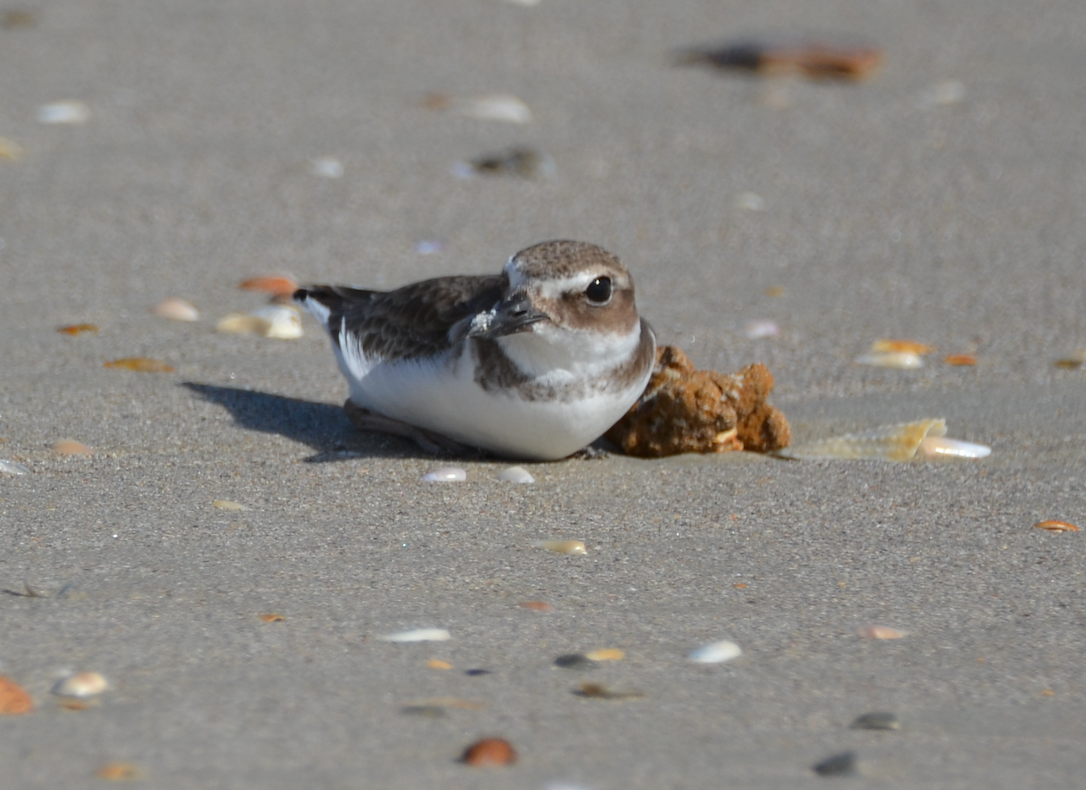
<point>904,360</point>
<point>64,112</point>
<point>716,652</point>
<point>758,329</point>
<point>446,474</point>
<point>176,310</point>
<point>277,321</point>
<point>516,474</point>
<point>942,447</point>
<point>418,635</point>
<point>81,685</point>
<point>499,107</point>
<point>11,468</point>
<point>888,442</point>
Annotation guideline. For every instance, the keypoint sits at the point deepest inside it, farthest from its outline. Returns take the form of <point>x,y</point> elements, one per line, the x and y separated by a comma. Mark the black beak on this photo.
<point>513,315</point>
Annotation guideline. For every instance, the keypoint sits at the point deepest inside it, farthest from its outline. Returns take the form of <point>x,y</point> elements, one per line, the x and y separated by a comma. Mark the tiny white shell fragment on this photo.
<point>887,442</point>
<point>716,652</point>
<point>176,310</point>
<point>326,167</point>
<point>499,107</point>
<point>446,474</point>
<point>516,474</point>
<point>226,504</point>
<point>11,468</point>
<point>749,201</point>
<point>880,632</point>
<point>903,360</point>
<point>758,329</point>
<point>942,447</point>
<point>72,112</point>
<point>576,547</point>
<point>276,321</point>
<point>81,685</point>
<point>418,635</point>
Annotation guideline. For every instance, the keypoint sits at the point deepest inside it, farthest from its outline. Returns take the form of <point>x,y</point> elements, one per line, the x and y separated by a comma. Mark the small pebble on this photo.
<point>575,547</point>
<point>418,635</point>
<point>71,447</point>
<point>716,652</point>
<point>880,632</point>
<point>489,751</point>
<point>523,162</point>
<point>446,474</point>
<point>599,691</point>
<point>226,504</point>
<point>476,673</point>
<point>81,685</point>
<point>11,468</point>
<point>326,167</point>
<point>879,720</point>
<point>14,699</point>
<point>176,310</point>
<point>69,112</point>
<point>843,764</point>
<point>575,661</point>
<point>1056,526</point>
<point>516,474</point>
<point>140,365</point>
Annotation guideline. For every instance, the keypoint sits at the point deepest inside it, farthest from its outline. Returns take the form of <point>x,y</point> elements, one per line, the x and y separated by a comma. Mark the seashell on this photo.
<point>606,654</point>
<point>813,58</point>
<point>274,284</point>
<point>11,468</point>
<point>536,606</point>
<point>489,751</point>
<point>326,167</point>
<point>900,347</point>
<point>118,772</point>
<point>880,632</point>
<point>14,699</point>
<point>515,474</point>
<point>903,360</point>
<point>749,201</point>
<point>446,474</point>
<point>69,112</point>
<point>960,360</point>
<point>716,652</point>
<point>77,329</point>
<point>272,617</point>
<point>942,447</point>
<point>878,720</point>
<point>81,685</point>
<point>562,546</point>
<point>498,107</point>
<point>418,635</point>
<point>759,329</point>
<point>176,310</point>
<point>600,691</point>
<point>282,322</point>
<point>10,150</point>
<point>140,364</point>
<point>843,764</point>
<point>436,663</point>
<point>1056,526</point>
<point>71,447</point>
<point>888,442</point>
<point>226,504</point>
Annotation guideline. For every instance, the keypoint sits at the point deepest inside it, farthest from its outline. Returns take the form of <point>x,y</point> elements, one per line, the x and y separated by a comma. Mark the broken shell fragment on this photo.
<point>81,685</point>
<point>446,474</point>
<point>575,547</point>
<point>11,468</point>
<point>14,699</point>
<point>960,360</point>
<point>516,474</point>
<point>1056,526</point>
<point>437,663</point>
<point>816,59</point>
<point>498,107</point>
<point>600,691</point>
<point>536,606</point>
<point>606,654</point>
<point>176,310</point>
<point>418,635</point>
<point>902,442</point>
<point>140,364</point>
<point>716,652</point>
<point>272,617</point>
<point>77,329</point>
<point>489,751</point>
<point>903,360</point>
<point>880,632</point>
<point>900,347</point>
<point>118,772</point>
<point>71,447</point>
<point>843,764</point>
<point>64,112</point>
<point>226,504</point>
<point>878,720</point>
<point>274,284</point>
<point>577,661</point>
<point>281,322</point>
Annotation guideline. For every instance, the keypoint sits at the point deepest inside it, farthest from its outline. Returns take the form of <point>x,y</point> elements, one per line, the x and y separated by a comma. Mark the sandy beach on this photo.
<point>939,201</point>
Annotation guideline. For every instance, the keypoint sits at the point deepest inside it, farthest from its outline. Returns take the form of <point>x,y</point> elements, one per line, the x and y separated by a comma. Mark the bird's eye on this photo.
<point>599,291</point>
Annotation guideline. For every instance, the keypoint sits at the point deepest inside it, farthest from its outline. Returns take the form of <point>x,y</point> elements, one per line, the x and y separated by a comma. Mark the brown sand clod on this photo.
<point>686,410</point>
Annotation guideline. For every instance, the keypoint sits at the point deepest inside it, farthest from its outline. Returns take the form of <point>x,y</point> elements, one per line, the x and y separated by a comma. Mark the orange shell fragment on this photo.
<point>14,699</point>
<point>489,751</point>
<point>76,329</point>
<point>536,606</point>
<point>141,364</point>
<point>960,360</point>
<point>1056,526</point>
<point>118,772</point>
<point>900,347</point>
<point>272,618</point>
<point>274,284</point>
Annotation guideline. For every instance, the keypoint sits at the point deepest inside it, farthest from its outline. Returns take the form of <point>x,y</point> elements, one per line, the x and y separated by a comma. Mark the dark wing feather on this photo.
<point>411,321</point>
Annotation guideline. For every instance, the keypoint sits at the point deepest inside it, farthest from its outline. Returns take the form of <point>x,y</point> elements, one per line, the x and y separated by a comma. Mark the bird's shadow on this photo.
<point>322,426</point>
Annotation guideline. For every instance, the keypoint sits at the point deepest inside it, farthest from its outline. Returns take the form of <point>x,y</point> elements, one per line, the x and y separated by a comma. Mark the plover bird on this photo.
<point>536,362</point>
